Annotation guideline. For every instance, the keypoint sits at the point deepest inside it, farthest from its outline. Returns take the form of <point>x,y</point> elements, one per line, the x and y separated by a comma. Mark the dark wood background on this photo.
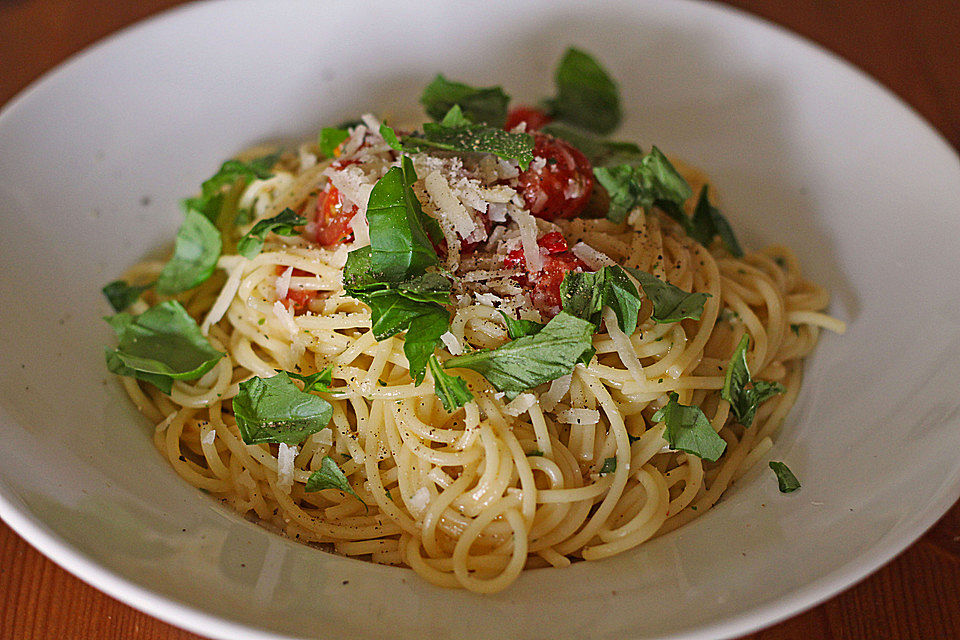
<point>911,46</point>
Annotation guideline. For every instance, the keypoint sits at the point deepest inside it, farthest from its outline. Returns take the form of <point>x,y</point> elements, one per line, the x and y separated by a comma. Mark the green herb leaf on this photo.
<point>670,303</point>
<point>452,390</point>
<point>487,105</point>
<point>707,222</point>
<point>121,295</point>
<point>688,429</point>
<point>281,224</point>
<point>330,138</point>
<point>600,152</point>
<point>319,381</point>
<point>585,294</point>
<point>534,359</point>
<point>329,476</point>
<point>162,341</point>
<point>195,255</point>
<point>785,478</point>
<point>474,139</point>
<point>609,466</point>
<point>455,118</point>
<point>739,389</point>
<point>654,181</point>
<point>390,137</point>
<point>231,172</point>
<point>519,328</point>
<point>400,244</point>
<point>586,94</point>
<point>115,365</point>
<point>276,410</point>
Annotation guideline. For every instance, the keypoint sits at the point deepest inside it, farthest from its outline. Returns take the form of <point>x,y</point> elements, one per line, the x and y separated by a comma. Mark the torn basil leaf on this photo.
<point>481,105</point>
<point>609,466</point>
<point>319,381</point>
<point>330,138</point>
<point>121,295</point>
<point>534,359</point>
<point>231,172</point>
<point>654,181</point>
<point>519,328</point>
<point>282,224</point>
<point>195,254</point>
<point>689,430</point>
<point>452,390</point>
<point>452,135</point>
<point>600,152</point>
<point>399,238</point>
<point>670,303</point>
<point>329,476</point>
<point>586,94</point>
<point>276,410</point>
<point>585,294</point>
<point>739,389</point>
<point>115,366</point>
<point>162,341</point>
<point>390,137</point>
<point>707,222</point>
<point>785,478</point>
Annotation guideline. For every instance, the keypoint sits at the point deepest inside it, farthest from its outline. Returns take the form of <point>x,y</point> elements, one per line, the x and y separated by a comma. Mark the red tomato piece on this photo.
<point>556,264</point>
<point>466,248</point>
<point>297,299</point>
<point>561,187</point>
<point>332,220</point>
<point>533,117</point>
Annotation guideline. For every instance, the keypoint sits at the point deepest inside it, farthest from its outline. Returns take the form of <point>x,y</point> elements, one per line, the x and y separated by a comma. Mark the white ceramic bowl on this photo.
<point>803,149</point>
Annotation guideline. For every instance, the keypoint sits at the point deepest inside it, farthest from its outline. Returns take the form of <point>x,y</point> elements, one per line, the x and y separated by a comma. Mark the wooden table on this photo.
<point>911,46</point>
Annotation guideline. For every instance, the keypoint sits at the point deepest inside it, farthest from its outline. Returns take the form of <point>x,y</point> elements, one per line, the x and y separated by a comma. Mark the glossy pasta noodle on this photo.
<point>576,468</point>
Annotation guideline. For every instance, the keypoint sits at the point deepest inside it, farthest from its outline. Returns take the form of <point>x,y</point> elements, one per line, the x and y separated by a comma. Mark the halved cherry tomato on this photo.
<point>332,220</point>
<point>556,264</point>
<point>534,118</point>
<point>560,186</point>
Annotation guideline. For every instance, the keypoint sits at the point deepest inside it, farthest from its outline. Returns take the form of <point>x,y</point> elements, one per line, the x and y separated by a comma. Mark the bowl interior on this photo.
<point>802,149</point>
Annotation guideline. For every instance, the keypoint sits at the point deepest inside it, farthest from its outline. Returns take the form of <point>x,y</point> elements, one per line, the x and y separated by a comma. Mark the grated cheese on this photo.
<point>209,437</point>
<point>285,457</point>
<point>418,502</point>
<point>520,404</point>
<point>449,205</point>
<point>558,389</point>
<point>591,257</point>
<point>579,416</point>
<point>528,239</point>
<point>283,283</point>
<point>452,344</point>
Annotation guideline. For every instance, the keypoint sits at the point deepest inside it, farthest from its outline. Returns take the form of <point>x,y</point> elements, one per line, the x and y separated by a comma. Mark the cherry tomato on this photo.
<point>297,299</point>
<point>332,220</point>
<point>533,117</point>
<point>546,284</point>
<point>561,187</point>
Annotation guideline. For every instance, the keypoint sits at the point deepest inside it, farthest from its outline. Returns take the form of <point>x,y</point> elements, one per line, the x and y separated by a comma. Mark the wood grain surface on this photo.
<point>911,46</point>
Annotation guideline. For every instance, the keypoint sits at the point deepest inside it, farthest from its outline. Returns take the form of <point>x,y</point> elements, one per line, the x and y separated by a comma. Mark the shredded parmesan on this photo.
<point>520,404</point>
<point>418,502</point>
<point>452,344</point>
<point>528,239</point>
<point>283,283</point>
<point>209,437</point>
<point>558,389</point>
<point>285,457</point>
<point>591,257</point>
<point>449,205</point>
<point>579,416</point>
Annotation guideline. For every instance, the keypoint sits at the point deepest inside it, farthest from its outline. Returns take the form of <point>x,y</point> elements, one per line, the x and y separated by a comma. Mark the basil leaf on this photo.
<point>487,105</point>
<point>163,340</point>
<point>195,255</point>
<point>430,287</point>
<point>115,365</point>
<point>585,294</point>
<point>586,94</point>
<point>276,410</point>
<point>708,222</point>
<point>452,390</point>
<point>534,359</point>
<point>785,478</point>
<point>455,118</point>
<point>475,139</point>
<point>329,139</point>
<point>422,337</point>
<point>329,476</point>
<point>670,303</point>
<point>400,245</point>
<point>600,152</point>
<point>609,466</point>
<point>739,389</point>
<point>390,137</point>
<point>281,224</point>
<point>519,328</point>
<point>121,295</point>
<point>232,171</point>
<point>654,181</point>
<point>688,429</point>
<point>319,381</point>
